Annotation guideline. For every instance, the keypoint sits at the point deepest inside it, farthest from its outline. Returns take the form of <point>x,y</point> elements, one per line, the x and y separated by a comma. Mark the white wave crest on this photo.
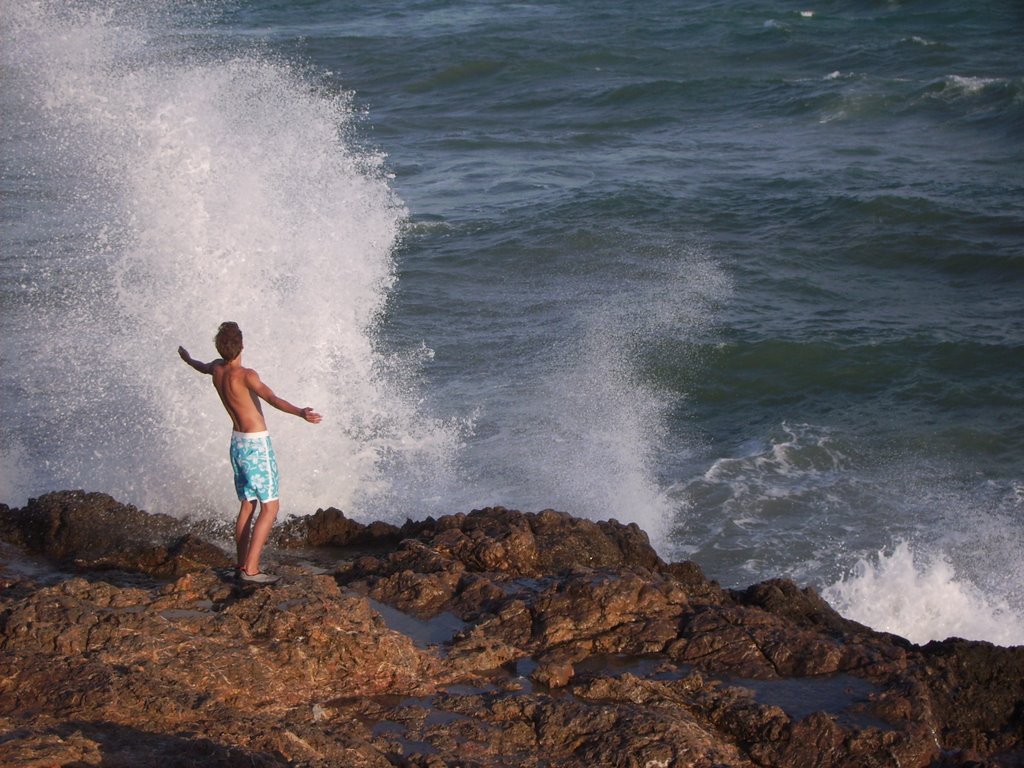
<point>922,599</point>
<point>970,85</point>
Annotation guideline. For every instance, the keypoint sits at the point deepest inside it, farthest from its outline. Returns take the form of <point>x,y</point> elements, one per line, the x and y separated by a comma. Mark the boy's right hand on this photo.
<point>311,416</point>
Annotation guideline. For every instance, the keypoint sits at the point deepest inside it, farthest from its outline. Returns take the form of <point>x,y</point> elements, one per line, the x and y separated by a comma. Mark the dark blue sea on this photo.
<point>749,274</point>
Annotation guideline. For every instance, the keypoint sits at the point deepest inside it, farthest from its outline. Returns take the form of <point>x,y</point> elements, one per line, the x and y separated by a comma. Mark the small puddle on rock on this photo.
<point>524,586</point>
<point>843,696</point>
<point>395,733</point>
<point>436,631</point>
<point>41,572</point>
<point>403,721</point>
<point>514,679</point>
<point>19,565</point>
<point>201,610</point>
<point>463,689</point>
<point>653,667</point>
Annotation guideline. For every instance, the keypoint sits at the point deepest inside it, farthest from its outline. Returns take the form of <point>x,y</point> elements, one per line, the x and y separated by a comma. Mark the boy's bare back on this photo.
<point>236,387</point>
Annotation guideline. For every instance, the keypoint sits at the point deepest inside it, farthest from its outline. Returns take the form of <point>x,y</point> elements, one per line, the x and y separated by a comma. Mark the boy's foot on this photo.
<point>258,578</point>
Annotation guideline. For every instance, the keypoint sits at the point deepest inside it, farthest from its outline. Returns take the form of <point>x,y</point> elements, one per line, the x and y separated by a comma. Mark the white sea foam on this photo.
<point>194,191</point>
<point>923,598</point>
<point>799,500</point>
<point>960,85</point>
<point>794,455</point>
<point>950,582</point>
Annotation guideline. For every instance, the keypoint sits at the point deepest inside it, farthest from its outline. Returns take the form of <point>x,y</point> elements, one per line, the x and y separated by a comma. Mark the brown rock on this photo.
<point>554,670</point>
<point>578,647</point>
<point>92,530</point>
<point>330,528</point>
<point>522,544</point>
<point>803,608</point>
<point>977,694</point>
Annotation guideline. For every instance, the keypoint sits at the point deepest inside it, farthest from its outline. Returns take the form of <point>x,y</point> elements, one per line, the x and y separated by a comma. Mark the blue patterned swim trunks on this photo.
<point>255,467</point>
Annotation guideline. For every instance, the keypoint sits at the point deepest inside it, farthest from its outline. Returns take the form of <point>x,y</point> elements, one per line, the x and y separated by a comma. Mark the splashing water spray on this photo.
<point>168,192</point>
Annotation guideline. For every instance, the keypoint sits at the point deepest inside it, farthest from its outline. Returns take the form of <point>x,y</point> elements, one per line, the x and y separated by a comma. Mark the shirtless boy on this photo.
<point>252,455</point>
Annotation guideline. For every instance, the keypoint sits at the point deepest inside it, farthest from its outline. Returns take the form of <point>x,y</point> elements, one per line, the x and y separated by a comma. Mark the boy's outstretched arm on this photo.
<point>200,366</point>
<point>257,386</point>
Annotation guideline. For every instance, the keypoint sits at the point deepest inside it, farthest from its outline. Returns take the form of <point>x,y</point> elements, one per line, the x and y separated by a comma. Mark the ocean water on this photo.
<point>749,274</point>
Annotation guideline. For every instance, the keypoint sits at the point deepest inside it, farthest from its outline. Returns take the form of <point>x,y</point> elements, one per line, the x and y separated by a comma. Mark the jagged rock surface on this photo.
<point>494,638</point>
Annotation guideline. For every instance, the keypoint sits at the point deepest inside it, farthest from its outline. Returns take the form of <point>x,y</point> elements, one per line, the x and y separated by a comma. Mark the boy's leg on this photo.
<point>243,531</point>
<point>260,533</point>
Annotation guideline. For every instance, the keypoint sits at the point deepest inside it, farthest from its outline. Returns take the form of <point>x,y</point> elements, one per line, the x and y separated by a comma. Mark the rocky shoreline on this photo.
<point>494,638</point>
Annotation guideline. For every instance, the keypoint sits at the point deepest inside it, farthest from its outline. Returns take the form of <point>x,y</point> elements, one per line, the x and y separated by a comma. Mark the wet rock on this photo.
<point>750,643</point>
<point>493,638</point>
<point>802,608</point>
<point>554,670</point>
<point>196,655</point>
<point>330,528</point>
<point>977,692</point>
<point>465,562</point>
<point>94,531</point>
<point>45,743</point>
<point>525,544</point>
